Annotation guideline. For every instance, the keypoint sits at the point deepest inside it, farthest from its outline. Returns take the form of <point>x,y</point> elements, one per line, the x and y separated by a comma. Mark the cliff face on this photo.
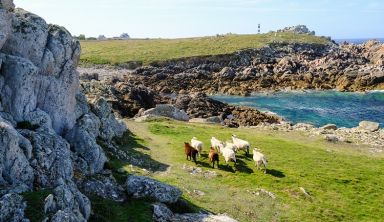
<point>39,69</point>
<point>48,130</point>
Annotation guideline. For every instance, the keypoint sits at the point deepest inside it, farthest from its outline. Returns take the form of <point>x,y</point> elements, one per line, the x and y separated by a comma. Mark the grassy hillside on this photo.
<point>344,181</point>
<point>147,51</point>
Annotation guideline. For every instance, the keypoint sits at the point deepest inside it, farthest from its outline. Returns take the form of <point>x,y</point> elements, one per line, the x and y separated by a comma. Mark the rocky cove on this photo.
<point>60,124</point>
<point>277,67</point>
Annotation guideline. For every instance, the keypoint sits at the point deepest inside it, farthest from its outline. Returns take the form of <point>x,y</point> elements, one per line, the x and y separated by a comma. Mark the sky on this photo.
<point>189,18</point>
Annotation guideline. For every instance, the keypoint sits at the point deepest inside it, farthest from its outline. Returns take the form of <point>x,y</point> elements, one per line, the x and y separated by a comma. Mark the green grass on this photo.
<point>35,204</point>
<point>131,211</point>
<point>344,181</point>
<point>116,52</point>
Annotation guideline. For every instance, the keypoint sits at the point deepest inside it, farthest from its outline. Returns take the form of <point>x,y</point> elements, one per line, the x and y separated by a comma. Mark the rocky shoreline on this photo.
<point>142,103</point>
<point>279,66</point>
<point>367,133</point>
<point>287,66</point>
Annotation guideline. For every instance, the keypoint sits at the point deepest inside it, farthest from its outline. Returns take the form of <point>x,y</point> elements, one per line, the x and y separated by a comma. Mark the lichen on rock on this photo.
<point>47,128</point>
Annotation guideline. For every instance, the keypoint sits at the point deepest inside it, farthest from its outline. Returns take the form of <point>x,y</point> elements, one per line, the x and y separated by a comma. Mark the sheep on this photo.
<point>215,143</point>
<point>260,159</point>
<point>213,157</point>
<point>241,144</point>
<point>190,152</point>
<point>230,145</point>
<point>197,144</point>
<point>229,155</point>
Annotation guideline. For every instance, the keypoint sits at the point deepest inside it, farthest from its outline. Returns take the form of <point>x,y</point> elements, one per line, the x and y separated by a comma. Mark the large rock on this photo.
<point>161,213</point>
<point>51,159</point>
<point>329,127</point>
<point>227,73</point>
<point>126,98</point>
<point>83,139</point>
<point>5,20</point>
<point>67,203</point>
<point>39,69</point>
<point>12,208</point>
<point>7,5</point>
<point>300,29</point>
<point>144,187</point>
<point>167,110</point>
<point>15,151</point>
<point>28,38</point>
<point>369,126</point>
<point>199,105</point>
<point>40,97</point>
<point>104,186</point>
<point>110,126</point>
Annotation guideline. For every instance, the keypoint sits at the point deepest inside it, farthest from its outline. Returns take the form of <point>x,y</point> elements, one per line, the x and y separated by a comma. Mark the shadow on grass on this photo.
<point>183,206</point>
<point>104,210</point>
<point>130,141</point>
<point>132,154</point>
<point>275,173</point>
<point>242,167</point>
<point>227,168</point>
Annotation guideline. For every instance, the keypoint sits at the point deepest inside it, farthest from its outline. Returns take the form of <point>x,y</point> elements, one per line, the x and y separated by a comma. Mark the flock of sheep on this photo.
<point>227,149</point>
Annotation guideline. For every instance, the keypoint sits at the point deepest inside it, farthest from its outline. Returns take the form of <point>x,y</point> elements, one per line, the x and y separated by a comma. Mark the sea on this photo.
<point>345,109</point>
<point>357,41</point>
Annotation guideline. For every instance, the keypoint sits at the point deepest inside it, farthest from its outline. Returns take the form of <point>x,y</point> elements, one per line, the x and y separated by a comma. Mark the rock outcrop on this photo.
<point>144,187</point>
<point>126,98</point>
<point>12,208</point>
<point>165,110</point>
<point>161,213</point>
<point>370,136</point>
<point>278,66</point>
<point>369,126</point>
<point>199,105</point>
<point>48,129</point>
<point>300,29</point>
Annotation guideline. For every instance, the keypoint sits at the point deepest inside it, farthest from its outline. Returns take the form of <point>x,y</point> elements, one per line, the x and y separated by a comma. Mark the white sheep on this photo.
<point>197,144</point>
<point>229,155</point>
<point>230,145</point>
<point>215,143</point>
<point>241,144</point>
<point>260,159</point>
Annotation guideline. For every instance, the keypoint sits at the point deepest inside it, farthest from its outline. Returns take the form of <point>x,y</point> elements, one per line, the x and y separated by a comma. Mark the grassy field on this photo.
<point>344,181</point>
<point>115,52</point>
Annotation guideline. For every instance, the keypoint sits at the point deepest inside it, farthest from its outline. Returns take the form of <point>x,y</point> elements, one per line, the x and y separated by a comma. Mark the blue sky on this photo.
<point>187,18</point>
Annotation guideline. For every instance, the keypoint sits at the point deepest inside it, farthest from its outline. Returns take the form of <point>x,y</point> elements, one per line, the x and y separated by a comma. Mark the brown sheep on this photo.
<point>213,157</point>
<point>190,152</point>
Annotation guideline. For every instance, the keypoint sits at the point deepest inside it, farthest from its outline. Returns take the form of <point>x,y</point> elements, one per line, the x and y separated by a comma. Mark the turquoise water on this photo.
<point>317,107</point>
